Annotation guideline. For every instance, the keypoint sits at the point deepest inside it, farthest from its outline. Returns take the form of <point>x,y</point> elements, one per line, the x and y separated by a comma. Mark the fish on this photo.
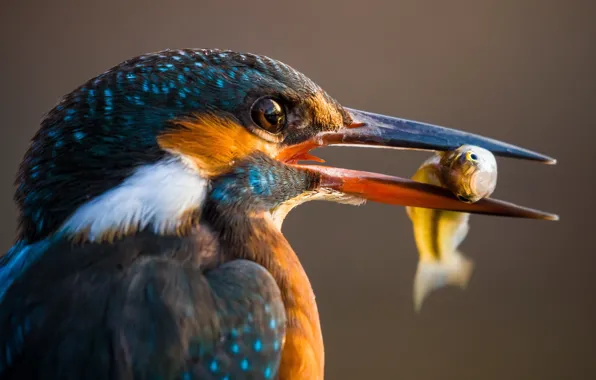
<point>470,173</point>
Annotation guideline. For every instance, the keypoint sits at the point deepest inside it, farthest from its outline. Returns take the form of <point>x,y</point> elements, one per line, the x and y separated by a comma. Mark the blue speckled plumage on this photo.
<point>171,320</point>
<point>251,348</point>
<point>259,182</point>
<point>173,82</point>
<point>129,105</point>
<point>206,301</point>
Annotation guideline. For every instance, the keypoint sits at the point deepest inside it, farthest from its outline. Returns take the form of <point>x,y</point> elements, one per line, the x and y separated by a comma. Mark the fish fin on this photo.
<point>452,230</point>
<point>432,275</point>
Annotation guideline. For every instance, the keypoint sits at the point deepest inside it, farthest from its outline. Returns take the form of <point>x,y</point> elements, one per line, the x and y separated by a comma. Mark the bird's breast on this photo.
<point>262,242</point>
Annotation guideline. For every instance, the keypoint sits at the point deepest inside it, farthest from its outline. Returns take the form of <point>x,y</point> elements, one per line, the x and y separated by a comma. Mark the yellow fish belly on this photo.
<point>437,234</point>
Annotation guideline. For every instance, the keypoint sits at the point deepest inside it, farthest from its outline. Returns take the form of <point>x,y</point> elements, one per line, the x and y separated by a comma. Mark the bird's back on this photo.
<point>142,308</point>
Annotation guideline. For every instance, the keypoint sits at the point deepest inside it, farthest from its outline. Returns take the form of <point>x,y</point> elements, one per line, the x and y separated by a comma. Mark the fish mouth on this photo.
<point>379,131</point>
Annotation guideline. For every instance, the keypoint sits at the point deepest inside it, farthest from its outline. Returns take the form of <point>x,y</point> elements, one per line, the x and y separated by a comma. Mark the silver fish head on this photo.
<point>470,172</point>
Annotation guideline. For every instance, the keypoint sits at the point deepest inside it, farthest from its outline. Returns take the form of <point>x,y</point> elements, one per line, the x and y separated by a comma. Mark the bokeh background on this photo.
<point>522,71</point>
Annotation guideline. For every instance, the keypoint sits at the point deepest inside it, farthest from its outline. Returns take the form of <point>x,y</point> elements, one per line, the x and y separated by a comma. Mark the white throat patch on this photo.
<point>156,196</point>
<point>278,214</point>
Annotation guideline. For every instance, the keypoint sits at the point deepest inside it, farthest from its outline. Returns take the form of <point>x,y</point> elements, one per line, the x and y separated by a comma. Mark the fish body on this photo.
<point>470,173</point>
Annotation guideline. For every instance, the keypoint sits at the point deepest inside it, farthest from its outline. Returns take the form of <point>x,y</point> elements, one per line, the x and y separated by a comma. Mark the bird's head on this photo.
<point>147,144</point>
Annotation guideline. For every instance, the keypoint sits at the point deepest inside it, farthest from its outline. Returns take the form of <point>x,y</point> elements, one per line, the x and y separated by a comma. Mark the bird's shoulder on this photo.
<point>140,307</point>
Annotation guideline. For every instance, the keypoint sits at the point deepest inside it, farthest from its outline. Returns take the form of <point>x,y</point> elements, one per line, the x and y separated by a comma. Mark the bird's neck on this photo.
<point>258,239</point>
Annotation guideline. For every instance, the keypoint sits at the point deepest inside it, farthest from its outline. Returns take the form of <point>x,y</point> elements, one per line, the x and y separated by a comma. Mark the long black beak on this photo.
<point>392,132</point>
<point>373,130</point>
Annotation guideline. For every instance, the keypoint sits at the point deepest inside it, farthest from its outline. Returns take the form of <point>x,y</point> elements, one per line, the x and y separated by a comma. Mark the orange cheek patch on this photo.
<point>326,113</point>
<point>214,144</point>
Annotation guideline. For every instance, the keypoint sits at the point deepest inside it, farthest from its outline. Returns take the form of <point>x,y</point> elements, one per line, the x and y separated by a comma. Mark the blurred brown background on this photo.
<point>522,71</point>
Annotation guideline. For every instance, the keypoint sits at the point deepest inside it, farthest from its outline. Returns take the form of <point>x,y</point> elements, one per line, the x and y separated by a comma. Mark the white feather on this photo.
<point>156,196</point>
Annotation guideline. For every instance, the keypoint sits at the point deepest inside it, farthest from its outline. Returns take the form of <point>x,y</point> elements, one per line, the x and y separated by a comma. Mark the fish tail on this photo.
<point>433,274</point>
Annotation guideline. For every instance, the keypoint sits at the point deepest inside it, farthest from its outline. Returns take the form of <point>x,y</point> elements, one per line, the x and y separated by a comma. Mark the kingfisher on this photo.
<point>151,202</point>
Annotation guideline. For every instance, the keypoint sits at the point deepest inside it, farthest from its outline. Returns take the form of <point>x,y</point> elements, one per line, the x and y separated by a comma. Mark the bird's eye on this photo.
<point>269,115</point>
<point>472,156</point>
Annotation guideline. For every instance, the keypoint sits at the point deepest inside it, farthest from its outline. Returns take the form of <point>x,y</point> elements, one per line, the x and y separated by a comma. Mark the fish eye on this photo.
<point>463,199</point>
<point>471,156</point>
<point>269,115</point>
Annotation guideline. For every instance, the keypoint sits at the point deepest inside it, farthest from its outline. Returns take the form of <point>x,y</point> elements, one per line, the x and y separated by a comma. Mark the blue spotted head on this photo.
<point>145,144</point>
<point>170,123</point>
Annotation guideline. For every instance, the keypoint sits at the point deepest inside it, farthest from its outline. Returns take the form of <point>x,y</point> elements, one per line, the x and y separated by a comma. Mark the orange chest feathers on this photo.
<point>303,351</point>
<point>214,145</point>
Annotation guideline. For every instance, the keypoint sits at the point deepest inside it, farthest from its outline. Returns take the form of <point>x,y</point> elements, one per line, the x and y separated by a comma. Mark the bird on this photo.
<point>151,202</point>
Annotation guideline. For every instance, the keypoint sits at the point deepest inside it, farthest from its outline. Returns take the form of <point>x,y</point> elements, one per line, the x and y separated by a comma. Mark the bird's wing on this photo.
<point>103,313</point>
